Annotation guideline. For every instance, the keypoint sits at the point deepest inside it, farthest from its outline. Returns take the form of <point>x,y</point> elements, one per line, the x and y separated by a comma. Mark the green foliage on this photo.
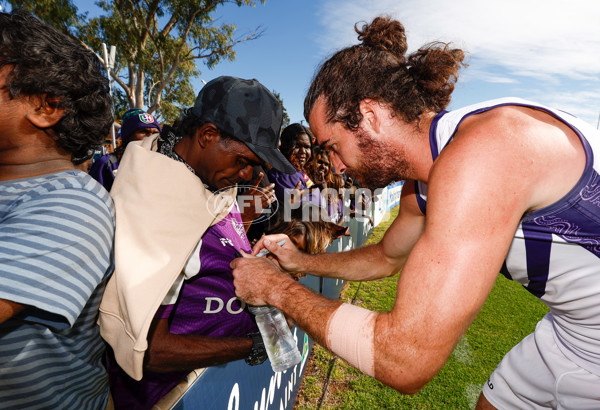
<point>286,118</point>
<point>61,14</point>
<point>509,314</point>
<point>158,42</point>
<point>121,104</point>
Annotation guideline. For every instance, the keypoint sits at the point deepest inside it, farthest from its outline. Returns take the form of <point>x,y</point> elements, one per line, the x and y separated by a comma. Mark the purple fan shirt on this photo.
<point>206,306</point>
<point>287,182</point>
<point>104,170</point>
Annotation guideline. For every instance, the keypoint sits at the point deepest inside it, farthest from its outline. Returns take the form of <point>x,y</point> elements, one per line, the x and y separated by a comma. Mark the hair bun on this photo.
<point>384,34</point>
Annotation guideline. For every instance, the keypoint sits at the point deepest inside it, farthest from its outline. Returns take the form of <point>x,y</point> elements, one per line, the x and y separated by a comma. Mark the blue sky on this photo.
<point>543,50</point>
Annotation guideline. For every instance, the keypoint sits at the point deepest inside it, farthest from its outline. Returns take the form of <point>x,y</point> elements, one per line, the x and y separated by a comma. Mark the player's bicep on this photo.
<point>474,207</point>
<point>447,275</point>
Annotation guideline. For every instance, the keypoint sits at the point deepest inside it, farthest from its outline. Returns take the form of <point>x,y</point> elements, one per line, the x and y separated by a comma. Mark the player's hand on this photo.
<point>287,255</point>
<point>255,279</point>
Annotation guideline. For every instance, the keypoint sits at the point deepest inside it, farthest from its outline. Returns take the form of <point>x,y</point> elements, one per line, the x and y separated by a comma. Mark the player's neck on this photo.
<point>417,147</point>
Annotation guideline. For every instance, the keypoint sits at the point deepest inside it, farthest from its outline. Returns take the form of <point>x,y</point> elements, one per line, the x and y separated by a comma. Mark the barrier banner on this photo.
<point>237,386</point>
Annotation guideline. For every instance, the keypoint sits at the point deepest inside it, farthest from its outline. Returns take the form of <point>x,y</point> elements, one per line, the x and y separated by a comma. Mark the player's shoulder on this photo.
<point>493,147</point>
<point>494,124</point>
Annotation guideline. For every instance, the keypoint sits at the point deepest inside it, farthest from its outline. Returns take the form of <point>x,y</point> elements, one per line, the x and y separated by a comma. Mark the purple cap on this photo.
<point>134,119</point>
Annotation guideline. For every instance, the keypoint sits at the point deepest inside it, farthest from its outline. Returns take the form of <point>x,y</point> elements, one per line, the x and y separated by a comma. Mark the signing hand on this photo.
<point>288,256</point>
<point>256,278</point>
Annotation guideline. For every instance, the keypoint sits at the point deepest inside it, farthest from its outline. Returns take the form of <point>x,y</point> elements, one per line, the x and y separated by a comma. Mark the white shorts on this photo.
<point>535,374</point>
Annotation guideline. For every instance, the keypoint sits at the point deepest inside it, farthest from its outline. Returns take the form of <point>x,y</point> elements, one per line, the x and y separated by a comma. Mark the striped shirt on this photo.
<point>56,237</point>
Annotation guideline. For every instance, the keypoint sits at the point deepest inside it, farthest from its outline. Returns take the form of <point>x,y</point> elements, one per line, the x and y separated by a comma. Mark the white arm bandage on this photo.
<point>350,334</point>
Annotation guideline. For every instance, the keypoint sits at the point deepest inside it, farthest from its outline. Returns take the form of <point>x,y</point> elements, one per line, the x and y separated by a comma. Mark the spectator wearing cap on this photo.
<point>171,307</point>
<point>136,125</point>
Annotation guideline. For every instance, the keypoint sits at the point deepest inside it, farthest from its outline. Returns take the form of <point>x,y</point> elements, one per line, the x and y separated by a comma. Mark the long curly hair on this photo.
<point>46,61</point>
<point>319,152</point>
<point>289,137</point>
<point>378,69</point>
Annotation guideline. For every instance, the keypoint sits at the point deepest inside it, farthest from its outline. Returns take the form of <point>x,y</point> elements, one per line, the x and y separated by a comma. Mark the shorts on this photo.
<point>535,374</point>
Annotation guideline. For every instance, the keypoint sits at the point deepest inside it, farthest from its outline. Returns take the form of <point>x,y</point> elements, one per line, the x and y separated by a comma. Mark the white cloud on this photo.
<point>543,50</point>
<point>527,37</point>
<point>583,104</point>
<point>499,79</point>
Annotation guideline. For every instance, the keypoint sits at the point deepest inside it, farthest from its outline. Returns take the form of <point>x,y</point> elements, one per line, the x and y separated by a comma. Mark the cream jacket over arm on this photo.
<point>162,211</point>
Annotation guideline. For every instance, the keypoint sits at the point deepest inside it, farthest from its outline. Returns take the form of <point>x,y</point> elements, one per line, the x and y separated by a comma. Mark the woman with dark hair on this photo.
<point>319,168</point>
<point>296,146</point>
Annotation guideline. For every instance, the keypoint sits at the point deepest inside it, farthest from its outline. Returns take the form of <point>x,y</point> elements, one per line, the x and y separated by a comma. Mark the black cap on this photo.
<point>247,111</point>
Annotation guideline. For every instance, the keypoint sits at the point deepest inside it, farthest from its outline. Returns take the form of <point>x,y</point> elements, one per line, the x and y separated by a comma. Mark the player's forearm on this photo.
<point>355,335</point>
<point>347,330</point>
<point>350,332</point>
<point>309,310</point>
<point>364,263</point>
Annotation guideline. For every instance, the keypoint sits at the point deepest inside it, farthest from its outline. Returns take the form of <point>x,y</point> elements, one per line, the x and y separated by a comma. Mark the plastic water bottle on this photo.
<point>279,341</point>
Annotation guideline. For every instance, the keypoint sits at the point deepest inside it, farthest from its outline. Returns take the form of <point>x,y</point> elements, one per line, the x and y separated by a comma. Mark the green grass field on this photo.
<point>509,314</point>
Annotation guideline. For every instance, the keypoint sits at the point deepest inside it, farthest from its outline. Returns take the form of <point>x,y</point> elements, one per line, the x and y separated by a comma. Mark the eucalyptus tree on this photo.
<point>160,44</point>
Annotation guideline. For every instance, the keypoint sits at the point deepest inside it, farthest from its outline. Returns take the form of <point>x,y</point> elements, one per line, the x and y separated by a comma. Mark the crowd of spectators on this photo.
<point>114,284</point>
<point>135,126</point>
<point>200,322</point>
<point>151,226</point>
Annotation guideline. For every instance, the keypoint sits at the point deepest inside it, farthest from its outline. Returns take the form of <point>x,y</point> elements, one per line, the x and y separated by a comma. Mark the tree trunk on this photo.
<point>139,89</point>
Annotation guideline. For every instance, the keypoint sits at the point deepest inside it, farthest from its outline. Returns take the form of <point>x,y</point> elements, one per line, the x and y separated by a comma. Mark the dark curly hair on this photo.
<point>319,152</point>
<point>378,69</point>
<point>46,61</point>
<point>289,136</point>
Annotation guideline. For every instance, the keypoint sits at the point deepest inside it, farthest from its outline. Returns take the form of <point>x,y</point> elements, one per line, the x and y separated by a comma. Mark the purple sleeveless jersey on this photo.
<point>206,306</point>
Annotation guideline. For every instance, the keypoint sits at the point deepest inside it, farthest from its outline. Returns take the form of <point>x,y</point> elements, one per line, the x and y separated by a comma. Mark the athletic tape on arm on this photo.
<point>350,335</point>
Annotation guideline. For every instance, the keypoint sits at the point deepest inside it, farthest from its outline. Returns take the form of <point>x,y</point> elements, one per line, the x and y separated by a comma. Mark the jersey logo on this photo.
<point>234,306</point>
<point>239,228</point>
<point>226,242</point>
<point>307,180</point>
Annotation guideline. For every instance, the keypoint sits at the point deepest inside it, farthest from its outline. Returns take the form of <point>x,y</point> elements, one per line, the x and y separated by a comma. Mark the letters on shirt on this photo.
<point>215,305</point>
